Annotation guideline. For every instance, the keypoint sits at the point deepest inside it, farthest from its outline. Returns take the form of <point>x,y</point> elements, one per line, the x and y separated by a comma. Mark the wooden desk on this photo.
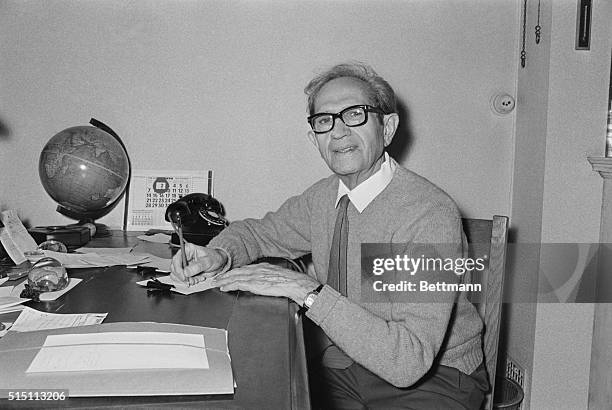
<point>265,339</point>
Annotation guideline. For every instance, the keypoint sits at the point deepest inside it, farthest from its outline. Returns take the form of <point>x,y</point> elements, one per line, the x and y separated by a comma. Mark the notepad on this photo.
<point>120,351</point>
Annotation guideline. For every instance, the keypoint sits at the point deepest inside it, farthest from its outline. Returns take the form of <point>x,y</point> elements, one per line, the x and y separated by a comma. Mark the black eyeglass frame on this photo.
<point>366,108</point>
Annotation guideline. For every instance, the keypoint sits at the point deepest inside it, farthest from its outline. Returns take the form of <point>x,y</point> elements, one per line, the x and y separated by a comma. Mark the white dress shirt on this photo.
<point>364,193</point>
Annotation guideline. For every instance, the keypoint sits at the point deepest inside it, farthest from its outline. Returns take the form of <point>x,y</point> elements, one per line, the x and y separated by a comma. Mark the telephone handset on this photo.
<point>201,216</point>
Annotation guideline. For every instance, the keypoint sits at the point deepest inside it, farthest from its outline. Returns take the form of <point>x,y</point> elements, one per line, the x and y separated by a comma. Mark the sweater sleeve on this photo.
<point>283,233</point>
<point>403,348</point>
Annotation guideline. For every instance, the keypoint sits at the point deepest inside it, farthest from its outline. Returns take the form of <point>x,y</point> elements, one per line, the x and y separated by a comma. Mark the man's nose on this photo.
<point>340,129</point>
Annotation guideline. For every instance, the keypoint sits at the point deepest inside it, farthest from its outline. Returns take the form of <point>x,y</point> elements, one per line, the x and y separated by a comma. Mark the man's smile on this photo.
<point>344,150</point>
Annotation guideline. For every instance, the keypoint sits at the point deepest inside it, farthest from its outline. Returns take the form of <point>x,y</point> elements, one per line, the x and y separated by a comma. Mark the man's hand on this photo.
<point>269,280</point>
<point>207,261</point>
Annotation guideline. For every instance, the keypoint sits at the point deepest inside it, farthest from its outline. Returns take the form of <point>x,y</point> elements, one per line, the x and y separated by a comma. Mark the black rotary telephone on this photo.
<point>200,215</point>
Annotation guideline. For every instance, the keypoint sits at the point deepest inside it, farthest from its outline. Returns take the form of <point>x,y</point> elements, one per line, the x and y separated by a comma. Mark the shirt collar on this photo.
<point>364,193</point>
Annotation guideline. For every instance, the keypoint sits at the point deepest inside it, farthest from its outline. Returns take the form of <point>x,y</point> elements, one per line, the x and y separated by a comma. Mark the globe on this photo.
<point>85,170</point>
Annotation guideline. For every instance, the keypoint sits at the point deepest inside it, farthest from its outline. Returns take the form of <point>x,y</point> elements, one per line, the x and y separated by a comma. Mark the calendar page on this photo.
<point>151,191</point>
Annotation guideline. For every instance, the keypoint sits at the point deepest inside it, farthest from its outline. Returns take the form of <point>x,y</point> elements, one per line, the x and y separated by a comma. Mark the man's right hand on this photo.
<point>202,263</point>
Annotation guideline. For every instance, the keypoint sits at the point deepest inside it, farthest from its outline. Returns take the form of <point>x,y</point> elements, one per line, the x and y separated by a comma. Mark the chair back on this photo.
<point>487,239</point>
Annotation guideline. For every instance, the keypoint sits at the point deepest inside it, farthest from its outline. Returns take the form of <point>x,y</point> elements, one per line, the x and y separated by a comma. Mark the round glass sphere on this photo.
<point>85,170</point>
<point>47,275</point>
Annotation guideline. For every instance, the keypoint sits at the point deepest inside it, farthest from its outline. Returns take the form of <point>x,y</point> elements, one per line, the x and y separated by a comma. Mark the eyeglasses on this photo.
<point>352,116</point>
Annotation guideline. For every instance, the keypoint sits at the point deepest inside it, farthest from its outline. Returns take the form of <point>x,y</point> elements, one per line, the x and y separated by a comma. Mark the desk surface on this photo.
<point>265,340</point>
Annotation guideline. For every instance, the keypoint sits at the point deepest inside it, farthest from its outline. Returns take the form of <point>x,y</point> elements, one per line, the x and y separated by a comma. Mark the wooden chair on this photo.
<point>488,239</point>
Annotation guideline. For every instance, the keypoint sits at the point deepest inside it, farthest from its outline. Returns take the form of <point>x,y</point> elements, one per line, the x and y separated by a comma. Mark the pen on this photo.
<point>178,228</point>
<point>182,242</point>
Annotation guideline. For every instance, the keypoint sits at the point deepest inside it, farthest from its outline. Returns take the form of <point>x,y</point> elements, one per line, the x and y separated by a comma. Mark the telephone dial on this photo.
<point>200,216</point>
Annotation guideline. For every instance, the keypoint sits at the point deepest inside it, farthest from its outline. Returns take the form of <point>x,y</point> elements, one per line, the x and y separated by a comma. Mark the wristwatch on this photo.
<point>310,298</point>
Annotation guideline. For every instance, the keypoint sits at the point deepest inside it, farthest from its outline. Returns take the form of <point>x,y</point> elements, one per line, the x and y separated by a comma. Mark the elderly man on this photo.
<point>366,355</point>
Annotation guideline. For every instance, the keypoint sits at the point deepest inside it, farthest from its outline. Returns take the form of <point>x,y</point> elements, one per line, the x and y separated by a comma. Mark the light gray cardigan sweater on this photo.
<point>398,341</point>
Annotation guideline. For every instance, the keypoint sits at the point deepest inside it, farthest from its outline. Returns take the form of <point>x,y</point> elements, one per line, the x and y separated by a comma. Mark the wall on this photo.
<point>577,105</point>
<point>519,317</point>
<point>218,85</point>
<point>561,118</point>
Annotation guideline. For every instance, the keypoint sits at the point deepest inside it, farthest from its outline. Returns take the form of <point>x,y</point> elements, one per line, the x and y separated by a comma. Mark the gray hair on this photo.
<point>379,91</point>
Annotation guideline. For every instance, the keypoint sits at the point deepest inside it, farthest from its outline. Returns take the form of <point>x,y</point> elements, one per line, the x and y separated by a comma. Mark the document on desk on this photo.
<point>120,351</point>
<point>119,359</point>
<point>123,256</point>
<point>93,260</point>
<point>155,238</point>
<point>15,237</point>
<point>104,251</point>
<point>9,303</point>
<point>160,264</point>
<point>31,319</point>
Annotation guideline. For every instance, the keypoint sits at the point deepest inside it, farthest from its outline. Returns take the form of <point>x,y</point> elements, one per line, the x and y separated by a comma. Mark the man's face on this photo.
<point>353,153</point>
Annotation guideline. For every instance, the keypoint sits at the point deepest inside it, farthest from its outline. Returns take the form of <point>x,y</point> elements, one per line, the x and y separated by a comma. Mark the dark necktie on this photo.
<point>336,276</point>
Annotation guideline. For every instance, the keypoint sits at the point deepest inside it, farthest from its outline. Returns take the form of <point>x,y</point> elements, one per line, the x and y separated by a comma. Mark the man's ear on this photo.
<point>390,124</point>
<point>313,139</point>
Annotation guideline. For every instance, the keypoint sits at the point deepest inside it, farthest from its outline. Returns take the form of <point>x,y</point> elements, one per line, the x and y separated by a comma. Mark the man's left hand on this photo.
<point>268,280</point>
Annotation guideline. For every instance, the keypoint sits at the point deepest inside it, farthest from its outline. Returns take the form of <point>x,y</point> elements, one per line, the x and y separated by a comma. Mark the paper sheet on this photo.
<point>32,319</point>
<point>6,291</point>
<point>15,237</point>
<point>11,309</point>
<point>180,287</point>
<point>123,256</point>
<point>155,238</point>
<point>161,264</point>
<point>10,301</point>
<point>120,351</point>
<point>104,251</point>
<point>93,260</point>
<point>7,326</point>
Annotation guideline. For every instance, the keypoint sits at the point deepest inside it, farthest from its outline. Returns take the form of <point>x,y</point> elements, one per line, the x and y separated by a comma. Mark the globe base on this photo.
<point>102,231</point>
<point>96,230</point>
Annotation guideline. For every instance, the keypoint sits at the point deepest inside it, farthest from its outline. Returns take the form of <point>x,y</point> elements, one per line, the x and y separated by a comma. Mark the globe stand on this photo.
<point>102,230</point>
<point>97,230</point>
<point>87,219</point>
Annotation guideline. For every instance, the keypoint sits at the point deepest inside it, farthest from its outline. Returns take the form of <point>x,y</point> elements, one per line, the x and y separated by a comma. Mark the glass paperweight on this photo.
<point>47,275</point>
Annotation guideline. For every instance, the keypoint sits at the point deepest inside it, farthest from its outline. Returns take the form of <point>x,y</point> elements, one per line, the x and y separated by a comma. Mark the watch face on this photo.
<point>310,298</point>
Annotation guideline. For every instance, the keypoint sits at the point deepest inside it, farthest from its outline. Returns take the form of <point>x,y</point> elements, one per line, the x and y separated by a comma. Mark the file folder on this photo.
<point>18,350</point>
